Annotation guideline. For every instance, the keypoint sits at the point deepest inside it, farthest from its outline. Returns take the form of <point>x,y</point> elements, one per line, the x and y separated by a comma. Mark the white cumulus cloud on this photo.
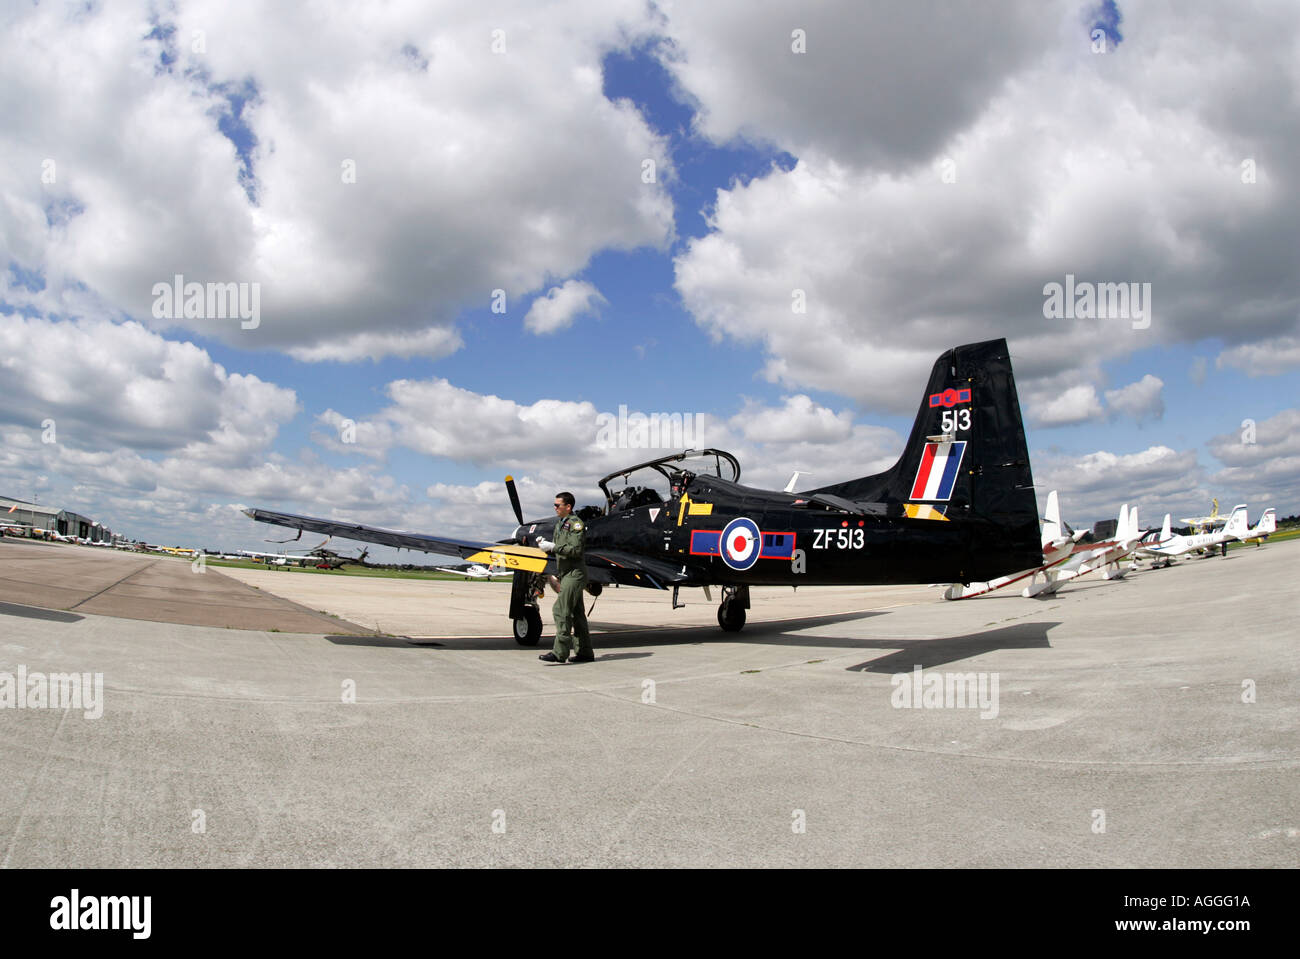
<point>561,306</point>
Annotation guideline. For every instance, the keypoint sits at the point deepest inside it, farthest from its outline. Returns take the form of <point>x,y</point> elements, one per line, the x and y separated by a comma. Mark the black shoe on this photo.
<point>583,658</point>
<point>550,658</point>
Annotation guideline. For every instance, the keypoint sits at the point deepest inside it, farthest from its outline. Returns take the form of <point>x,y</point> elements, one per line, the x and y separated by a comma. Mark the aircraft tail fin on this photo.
<point>1237,522</point>
<point>1126,527</point>
<point>1052,530</point>
<point>1167,530</point>
<point>966,457</point>
<point>1267,523</point>
<point>1130,532</point>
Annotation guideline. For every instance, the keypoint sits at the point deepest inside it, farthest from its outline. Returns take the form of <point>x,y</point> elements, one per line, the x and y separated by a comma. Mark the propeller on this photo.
<point>514,499</point>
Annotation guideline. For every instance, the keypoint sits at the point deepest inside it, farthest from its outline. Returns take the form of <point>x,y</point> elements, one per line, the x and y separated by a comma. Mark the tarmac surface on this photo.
<point>1147,722</point>
<point>159,588</point>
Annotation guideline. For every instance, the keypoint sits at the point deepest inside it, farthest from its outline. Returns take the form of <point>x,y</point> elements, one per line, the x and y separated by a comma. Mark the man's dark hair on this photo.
<point>566,498</point>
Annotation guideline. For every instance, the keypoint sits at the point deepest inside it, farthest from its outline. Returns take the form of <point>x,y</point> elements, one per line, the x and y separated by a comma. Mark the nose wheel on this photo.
<point>525,617</point>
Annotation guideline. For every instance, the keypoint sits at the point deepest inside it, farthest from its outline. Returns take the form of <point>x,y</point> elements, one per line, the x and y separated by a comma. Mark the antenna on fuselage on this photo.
<point>789,487</point>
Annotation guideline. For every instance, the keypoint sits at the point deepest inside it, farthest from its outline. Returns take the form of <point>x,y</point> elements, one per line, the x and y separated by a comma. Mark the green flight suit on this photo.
<point>568,613</point>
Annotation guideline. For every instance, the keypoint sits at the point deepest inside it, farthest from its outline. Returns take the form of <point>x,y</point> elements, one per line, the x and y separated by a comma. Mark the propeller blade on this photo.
<point>514,499</point>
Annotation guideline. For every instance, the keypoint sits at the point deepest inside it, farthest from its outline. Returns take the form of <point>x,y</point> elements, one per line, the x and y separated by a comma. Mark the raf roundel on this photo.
<point>741,543</point>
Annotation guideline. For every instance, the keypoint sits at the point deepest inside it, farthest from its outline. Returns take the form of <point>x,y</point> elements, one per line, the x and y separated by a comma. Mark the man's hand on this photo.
<point>545,545</point>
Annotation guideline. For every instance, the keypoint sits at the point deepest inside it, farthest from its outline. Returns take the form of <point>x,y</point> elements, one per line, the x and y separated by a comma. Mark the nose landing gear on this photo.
<point>525,590</point>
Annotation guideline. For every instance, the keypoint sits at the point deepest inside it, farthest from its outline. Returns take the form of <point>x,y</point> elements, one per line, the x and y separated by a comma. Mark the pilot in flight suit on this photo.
<point>570,618</point>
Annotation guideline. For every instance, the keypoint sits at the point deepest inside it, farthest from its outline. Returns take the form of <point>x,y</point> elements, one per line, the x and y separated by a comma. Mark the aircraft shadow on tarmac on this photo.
<point>36,612</point>
<point>382,642</point>
<point>777,632</point>
<point>928,653</point>
<point>906,653</point>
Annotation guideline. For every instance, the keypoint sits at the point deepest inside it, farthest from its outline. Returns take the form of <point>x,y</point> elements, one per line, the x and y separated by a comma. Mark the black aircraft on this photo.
<point>328,559</point>
<point>957,507</point>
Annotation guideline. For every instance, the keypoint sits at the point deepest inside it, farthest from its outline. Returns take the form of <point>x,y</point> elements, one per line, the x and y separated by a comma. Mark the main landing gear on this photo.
<point>731,611</point>
<point>525,590</point>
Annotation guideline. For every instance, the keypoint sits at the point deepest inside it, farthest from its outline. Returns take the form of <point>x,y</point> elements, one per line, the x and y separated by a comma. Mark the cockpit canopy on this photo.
<point>663,479</point>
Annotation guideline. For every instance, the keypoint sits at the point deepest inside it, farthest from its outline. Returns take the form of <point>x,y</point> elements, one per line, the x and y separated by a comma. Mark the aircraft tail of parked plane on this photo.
<point>1267,524</point>
<point>1051,520</point>
<point>1127,536</point>
<point>966,458</point>
<point>1237,524</point>
<point>972,453</point>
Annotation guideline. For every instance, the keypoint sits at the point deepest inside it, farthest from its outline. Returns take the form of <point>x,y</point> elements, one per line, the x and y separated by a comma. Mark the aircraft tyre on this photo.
<point>731,616</point>
<point>528,628</point>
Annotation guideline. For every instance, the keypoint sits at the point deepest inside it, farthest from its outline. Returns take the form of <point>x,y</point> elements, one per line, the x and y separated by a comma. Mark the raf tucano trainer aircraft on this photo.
<point>957,507</point>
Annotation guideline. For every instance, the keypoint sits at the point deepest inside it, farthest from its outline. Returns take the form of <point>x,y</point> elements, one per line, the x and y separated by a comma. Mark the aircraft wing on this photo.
<point>603,566</point>
<point>499,554</point>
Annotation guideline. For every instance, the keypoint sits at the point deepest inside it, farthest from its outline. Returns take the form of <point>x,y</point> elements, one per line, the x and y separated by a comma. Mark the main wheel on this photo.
<point>731,617</point>
<point>528,628</point>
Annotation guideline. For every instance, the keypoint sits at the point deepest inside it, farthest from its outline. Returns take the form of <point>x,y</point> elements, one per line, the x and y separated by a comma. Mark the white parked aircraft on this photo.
<point>1166,546</point>
<point>1088,558</point>
<point>1058,552</point>
<point>271,559</point>
<point>475,571</point>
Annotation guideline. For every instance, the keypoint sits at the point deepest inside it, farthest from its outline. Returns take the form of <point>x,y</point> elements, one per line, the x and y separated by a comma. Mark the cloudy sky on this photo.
<point>464,233</point>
